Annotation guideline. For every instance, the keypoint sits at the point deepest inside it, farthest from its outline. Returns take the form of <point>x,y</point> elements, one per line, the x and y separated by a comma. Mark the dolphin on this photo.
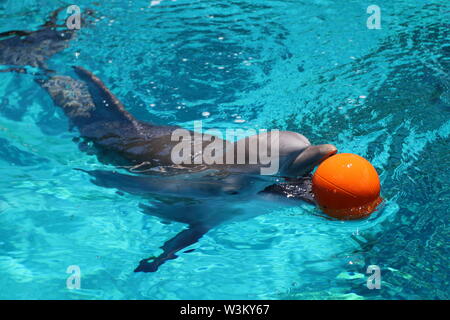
<point>205,190</point>
<point>19,48</point>
<point>203,196</point>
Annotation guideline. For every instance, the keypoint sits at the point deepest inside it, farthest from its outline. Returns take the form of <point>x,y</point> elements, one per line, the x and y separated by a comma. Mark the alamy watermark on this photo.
<point>74,280</point>
<point>73,22</point>
<point>374,21</point>
<point>374,280</point>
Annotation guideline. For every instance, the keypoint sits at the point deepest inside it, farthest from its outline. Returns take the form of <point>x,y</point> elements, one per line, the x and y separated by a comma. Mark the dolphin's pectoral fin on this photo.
<point>182,210</point>
<point>182,240</point>
<point>147,265</point>
<point>188,186</point>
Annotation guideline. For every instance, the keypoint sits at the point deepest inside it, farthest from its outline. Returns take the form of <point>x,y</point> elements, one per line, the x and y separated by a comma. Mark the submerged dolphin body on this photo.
<point>19,48</point>
<point>201,196</point>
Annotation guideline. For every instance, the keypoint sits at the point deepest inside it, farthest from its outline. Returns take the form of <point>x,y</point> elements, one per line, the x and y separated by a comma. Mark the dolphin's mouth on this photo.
<point>301,187</point>
<point>294,188</point>
<point>329,154</point>
<point>308,159</point>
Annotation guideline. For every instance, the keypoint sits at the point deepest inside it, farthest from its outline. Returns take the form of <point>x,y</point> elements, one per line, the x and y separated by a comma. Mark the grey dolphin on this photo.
<point>119,138</point>
<point>19,48</point>
<point>194,194</point>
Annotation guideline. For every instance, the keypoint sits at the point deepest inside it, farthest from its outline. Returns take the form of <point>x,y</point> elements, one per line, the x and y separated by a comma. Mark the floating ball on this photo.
<point>346,186</point>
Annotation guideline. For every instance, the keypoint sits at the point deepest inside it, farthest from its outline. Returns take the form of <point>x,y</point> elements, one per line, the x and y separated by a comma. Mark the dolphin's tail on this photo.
<point>180,241</point>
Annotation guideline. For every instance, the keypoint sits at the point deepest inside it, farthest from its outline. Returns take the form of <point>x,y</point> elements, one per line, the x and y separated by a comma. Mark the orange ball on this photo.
<point>346,186</point>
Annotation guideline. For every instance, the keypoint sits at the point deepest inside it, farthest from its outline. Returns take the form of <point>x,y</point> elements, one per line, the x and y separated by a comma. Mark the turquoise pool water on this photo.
<point>307,66</point>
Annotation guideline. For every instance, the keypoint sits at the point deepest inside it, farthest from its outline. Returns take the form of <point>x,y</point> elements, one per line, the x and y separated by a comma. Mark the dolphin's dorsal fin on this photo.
<point>107,104</point>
